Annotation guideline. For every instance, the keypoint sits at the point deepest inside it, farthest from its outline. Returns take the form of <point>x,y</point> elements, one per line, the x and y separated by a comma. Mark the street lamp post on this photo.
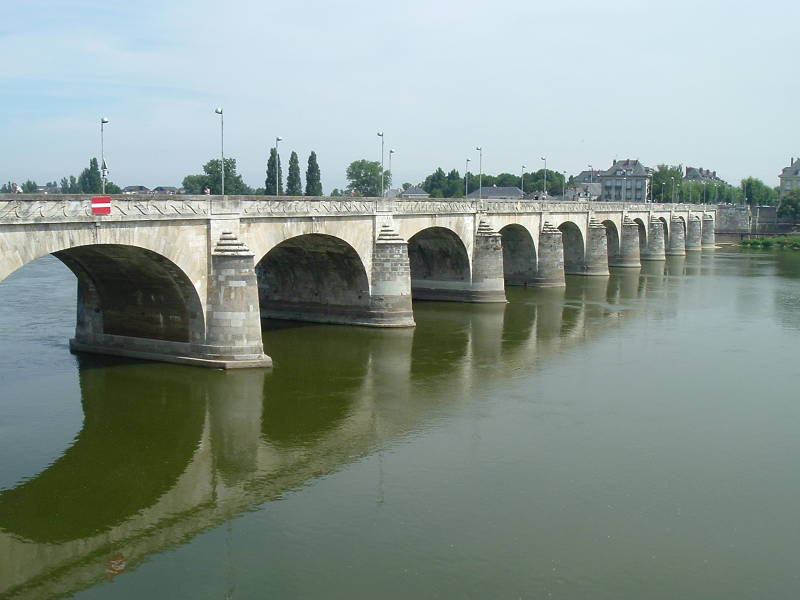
<point>103,169</point>
<point>544,192</point>
<point>704,192</point>
<point>218,110</point>
<point>624,185</point>
<point>380,135</point>
<point>563,184</point>
<point>277,165</point>
<point>391,151</point>
<point>522,181</point>
<point>716,192</point>
<point>673,189</point>
<point>591,174</point>
<point>466,178</point>
<point>480,171</point>
<point>663,183</point>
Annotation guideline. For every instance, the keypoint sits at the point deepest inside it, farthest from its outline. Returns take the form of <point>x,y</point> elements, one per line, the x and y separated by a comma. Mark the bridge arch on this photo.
<point>574,248</point>
<point>313,277</point>
<point>665,225</point>
<point>133,292</point>
<point>642,236</point>
<point>612,237</point>
<point>439,263</point>
<point>519,255</point>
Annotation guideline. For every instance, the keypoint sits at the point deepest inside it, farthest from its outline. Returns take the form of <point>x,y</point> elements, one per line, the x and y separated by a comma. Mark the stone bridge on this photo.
<point>188,279</point>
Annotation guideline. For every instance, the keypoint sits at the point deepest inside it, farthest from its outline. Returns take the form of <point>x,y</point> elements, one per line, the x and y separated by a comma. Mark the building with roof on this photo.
<point>414,192</point>
<point>789,178</point>
<point>165,189</point>
<point>701,174</point>
<point>625,181</point>
<point>584,177</point>
<point>135,189</point>
<point>496,193</point>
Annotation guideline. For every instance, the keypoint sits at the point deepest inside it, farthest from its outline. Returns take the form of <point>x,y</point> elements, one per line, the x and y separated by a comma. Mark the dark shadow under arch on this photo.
<point>642,236</point>
<point>574,248</point>
<point>313,277</point>
<point>612,237</point>
<point>665,226</point>
<point>134,292</point>
<point>519,255</point>
<point>437,257</point>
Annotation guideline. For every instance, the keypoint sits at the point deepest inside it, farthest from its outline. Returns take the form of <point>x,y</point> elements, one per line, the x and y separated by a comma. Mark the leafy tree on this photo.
<point>336,193</point>
<point>294,185</point>
<point>194,184</point>
<point>90,181</point>
<point>6,188</point>
<point>406,186</point>
<point>70,185</point>
<point>274,159</point>
<point>112,188</point>
<point>29,187</point>
<point>364,177</point>
<point>790,206</point>
<point>662,182</point>
<point>436,184</point>
<point>313,181</point>
<point>757,193</point>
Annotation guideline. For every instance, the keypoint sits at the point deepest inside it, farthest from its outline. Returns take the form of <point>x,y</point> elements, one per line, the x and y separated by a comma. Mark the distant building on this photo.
<point>47,189</point>
<point>586,191</point>
<point>701,174</point>
<point>586,177</point>
<point>135,189</point>
<point>414,192</point>
<point>789,178</point>
<point>164,189</point>
<point>626,181</point>
<point>496,193</point>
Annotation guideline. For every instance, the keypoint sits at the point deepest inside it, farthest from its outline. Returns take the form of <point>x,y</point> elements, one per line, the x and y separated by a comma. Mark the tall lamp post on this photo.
<point>591,174</point>
<point>466,178</point>
<point>663,183</point>
<point>391,151</point>
<point>544,192</point>
<point>624,185</point>
<point>673,189</point>
<point>704,192</point>
<point>563,184</point>
<point>522,181</point>
<point>218,110</point>
<point>103,169</point>
<point>380,135</point>
<point>480,171</point>
<point>277,164</point>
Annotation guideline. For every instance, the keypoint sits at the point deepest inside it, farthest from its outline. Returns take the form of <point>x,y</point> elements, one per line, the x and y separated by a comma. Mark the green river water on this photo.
<point>631,437</point>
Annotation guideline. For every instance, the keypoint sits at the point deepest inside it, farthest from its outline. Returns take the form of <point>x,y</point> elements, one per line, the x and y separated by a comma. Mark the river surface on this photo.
<point>631,437</point>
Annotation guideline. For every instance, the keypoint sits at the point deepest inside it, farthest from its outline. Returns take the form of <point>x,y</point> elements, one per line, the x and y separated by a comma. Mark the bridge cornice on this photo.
<point>65,208</point>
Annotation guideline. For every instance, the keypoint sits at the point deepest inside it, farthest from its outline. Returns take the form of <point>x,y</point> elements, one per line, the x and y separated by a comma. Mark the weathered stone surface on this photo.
<point>655,241</point>
<point>694,234</point>
<point>596,250</point>
<point>551,258</point>
<point>629,246</point>
<point>677,238</point>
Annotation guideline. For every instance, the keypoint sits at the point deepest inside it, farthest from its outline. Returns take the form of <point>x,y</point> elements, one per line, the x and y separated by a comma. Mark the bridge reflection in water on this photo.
<point>167,452</point>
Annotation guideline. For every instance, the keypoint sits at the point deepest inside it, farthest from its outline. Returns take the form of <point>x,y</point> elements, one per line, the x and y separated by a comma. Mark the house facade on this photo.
<point>789,177</point>
<point>626,181</point>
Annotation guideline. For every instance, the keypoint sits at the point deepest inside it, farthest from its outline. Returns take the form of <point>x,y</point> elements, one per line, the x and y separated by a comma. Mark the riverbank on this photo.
<point>782,242</point>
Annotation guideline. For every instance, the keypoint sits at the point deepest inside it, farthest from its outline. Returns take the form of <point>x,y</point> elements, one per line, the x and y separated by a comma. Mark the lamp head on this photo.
<point>278,139</point>
<point>478,148</point>
<point>391,151</point>
<point>218,110</point>
<point>103,120</point>
<point>380,134</point>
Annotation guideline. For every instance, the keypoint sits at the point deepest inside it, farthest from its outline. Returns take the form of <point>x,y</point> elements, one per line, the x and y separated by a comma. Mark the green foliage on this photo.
<point>89,181</point>
<point>336,193</point>
<point>294,185</point>
<point>757,193</point>
<point>112,188</point>
<point>194,184</point>
<point>29,187</point>
<point>406,186</point>
<point>782,242</point>
<point>70,185</point>
<point>790,206</point>
<point>364,177</point>
<point>270,182</point>
<point>313,181</point>
<point>666,183</point>
<point>7,188</point>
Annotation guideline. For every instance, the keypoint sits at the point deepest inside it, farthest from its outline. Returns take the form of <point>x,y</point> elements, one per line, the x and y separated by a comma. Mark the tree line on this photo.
<point>88,182</point>
<point>273,184</point>
<point>668,185</point>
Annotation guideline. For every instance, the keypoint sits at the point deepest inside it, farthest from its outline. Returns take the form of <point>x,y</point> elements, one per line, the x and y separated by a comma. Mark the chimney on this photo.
<point>615,162</point>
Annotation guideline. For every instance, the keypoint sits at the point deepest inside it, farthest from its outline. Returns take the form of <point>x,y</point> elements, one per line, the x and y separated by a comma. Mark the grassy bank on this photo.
<point>781,242</point>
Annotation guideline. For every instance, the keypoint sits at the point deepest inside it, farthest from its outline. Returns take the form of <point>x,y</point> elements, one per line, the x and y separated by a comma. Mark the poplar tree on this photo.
<point>294,185</point>
<point>313,182</point>
<point>274,160</point>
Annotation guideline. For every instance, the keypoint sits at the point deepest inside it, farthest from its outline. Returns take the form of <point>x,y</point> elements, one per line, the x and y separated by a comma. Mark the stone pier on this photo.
<point>596,249</point>
<point>694,234</point>
<point>551,258</point>
<point>629,255</point>
<point>655,241</point>
<point>709,238</point>
<point>677,238</point>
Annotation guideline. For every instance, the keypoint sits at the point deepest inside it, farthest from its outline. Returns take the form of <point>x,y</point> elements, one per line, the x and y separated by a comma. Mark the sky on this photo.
<point>709,84</point>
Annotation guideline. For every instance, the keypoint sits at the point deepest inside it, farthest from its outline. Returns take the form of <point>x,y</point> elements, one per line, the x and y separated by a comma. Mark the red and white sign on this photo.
<point>101,205</point>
